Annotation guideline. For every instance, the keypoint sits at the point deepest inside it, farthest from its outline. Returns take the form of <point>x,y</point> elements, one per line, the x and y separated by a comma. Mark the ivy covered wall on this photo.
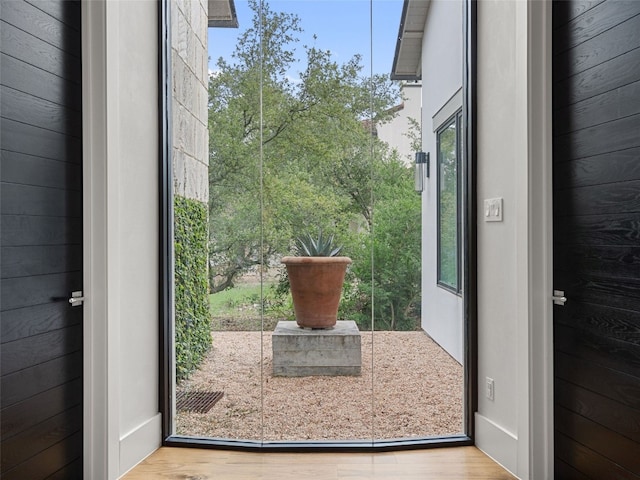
<point>192,317</point>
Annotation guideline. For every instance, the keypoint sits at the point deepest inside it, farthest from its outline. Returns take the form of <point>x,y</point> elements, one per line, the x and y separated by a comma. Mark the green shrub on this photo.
<point>392,250</point>
<point>192,318</point>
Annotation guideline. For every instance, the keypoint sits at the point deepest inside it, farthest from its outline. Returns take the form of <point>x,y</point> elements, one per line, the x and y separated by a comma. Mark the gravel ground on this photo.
<point>416,390</point>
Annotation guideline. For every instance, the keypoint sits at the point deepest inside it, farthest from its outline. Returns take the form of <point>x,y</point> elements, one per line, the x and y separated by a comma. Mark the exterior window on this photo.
<point>449,221</point>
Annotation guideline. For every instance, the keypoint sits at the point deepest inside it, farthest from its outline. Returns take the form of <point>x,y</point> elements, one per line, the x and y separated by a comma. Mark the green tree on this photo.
<point>386,261</point>
<point>287,156</point>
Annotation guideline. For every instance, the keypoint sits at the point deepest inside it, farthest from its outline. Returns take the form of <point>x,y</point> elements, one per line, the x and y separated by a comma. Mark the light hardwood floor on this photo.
<point>201,464</point>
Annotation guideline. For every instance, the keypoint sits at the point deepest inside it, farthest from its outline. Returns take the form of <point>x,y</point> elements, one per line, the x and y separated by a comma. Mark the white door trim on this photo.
<point>101,338</point>
<point>540,138</point>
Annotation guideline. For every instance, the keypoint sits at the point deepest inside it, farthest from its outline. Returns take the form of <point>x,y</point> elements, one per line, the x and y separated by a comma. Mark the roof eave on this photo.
<point>222,14</point>
<point>408,54</point>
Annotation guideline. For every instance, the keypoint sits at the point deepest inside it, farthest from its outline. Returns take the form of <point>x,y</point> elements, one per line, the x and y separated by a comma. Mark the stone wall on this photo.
<point>189,58</point>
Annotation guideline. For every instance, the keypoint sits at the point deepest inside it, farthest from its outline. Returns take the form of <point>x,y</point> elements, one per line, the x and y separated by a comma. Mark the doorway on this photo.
<point>248,199</point>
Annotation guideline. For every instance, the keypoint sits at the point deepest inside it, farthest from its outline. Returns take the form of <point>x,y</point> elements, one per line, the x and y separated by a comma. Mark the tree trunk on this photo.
<point>227,283</point>
<point>393,318</point>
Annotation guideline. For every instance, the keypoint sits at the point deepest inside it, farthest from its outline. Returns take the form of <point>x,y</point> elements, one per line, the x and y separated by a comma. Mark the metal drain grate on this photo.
<point>197,402</point>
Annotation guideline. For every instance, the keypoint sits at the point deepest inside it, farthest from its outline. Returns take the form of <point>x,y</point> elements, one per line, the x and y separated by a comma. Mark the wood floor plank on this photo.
<point>204,464</point>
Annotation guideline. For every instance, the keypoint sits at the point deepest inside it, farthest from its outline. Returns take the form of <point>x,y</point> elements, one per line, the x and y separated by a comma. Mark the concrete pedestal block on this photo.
<point>300,352</point>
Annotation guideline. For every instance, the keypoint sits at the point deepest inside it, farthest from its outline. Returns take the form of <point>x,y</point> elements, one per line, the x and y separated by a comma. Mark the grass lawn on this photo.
<point>239,309</point>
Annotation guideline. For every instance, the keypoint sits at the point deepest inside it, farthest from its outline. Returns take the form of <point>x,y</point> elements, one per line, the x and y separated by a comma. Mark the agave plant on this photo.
<point>322,246</point>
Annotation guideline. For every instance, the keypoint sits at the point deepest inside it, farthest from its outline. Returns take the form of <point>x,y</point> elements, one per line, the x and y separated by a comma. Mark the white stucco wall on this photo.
<point>502,156</point>
<point>395,132</point>
<point>442,310</point>
<point>120,109</point>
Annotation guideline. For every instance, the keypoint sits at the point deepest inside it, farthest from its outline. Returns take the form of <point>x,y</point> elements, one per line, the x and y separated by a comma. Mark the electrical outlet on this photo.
<point>491,389</point>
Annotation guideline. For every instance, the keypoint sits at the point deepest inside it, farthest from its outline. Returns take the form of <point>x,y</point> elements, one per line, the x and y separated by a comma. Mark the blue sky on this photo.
<point>342,26</point>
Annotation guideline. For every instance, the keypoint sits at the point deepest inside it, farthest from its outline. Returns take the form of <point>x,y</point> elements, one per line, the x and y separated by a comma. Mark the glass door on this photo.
<point>310,142</point>
<point>317,381</point>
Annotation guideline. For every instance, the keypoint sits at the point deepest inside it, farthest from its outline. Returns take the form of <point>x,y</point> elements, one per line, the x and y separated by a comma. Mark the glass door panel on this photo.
<point>227,379</point>
<point>417,383</point>
<point>308,135</point>
<point>317,382</point>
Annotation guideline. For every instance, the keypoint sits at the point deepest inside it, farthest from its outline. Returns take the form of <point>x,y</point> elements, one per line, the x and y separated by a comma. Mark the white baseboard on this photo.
<point>139,443</point>
<point>497,443</point>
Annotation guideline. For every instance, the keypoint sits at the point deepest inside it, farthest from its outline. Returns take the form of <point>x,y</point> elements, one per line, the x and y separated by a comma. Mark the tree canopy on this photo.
<point>296,152</point>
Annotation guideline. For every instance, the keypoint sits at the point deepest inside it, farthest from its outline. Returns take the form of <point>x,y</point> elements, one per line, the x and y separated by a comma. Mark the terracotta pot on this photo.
<point>316,287</point>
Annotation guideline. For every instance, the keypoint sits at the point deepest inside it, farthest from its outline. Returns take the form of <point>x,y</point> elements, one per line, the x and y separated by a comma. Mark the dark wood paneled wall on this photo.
<point>596,158</point>
<point>40,239</point>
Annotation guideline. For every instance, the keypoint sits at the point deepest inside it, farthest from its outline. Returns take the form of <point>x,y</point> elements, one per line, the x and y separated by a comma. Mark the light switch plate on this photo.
<point>493,209</point>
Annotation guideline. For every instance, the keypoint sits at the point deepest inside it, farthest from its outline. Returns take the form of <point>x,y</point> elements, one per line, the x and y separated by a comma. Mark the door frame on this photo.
<point>469,247</point>
<point>101,337</point>
<point>536,388</point>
